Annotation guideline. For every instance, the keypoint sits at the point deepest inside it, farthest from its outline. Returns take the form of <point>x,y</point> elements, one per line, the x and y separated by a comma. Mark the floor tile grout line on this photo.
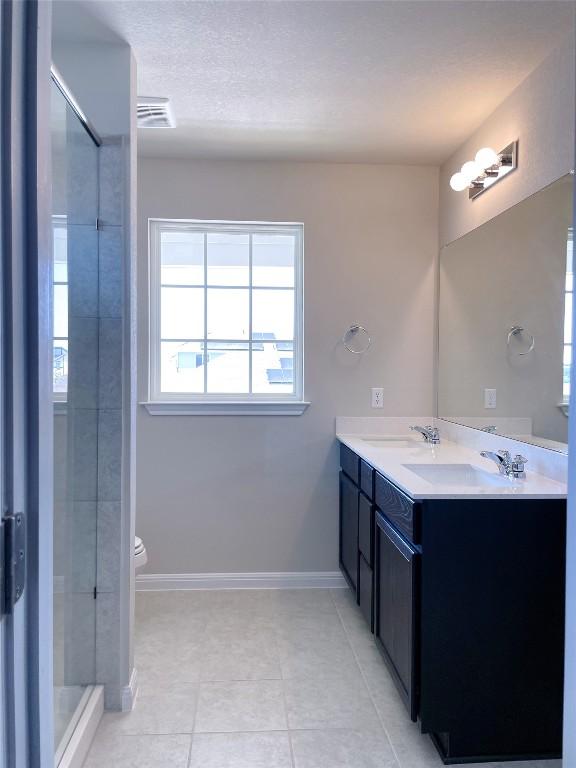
<point>192,734</point>
<point>277,648</point>
<point>189,763</point>
<point>381,720</point>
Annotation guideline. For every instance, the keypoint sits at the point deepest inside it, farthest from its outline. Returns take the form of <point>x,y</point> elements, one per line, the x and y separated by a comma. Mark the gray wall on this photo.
<point>540,114</point>
<point>252,494</point>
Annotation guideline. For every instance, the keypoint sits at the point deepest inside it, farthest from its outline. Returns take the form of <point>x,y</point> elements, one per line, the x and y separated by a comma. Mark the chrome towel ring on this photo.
<point>518,330</point>
<point>357,340</point>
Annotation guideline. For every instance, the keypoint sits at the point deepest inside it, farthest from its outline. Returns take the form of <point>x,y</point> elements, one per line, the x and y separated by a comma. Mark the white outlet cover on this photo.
<point>489,398</point>
<point>377,397</point>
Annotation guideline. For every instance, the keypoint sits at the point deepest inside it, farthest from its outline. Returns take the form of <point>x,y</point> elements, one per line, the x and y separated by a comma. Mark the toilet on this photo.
<point>140,554</point>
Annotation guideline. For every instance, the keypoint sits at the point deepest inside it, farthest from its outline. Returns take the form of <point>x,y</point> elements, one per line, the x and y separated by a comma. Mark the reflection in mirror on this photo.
<point>505,319</point>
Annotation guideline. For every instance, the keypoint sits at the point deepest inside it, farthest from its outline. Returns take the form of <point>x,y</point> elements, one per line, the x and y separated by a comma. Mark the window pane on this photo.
<point>60,254</point>
<point>182,258</point>
<point>227,368</point>
<point>568,319</point>
<point>566,370</point>
<point>273,313</point>
<point>182,313</point>
<point>182,367</point>
<point>228,258</point>
<point>61,310</point>
<point>228,313</point>
<point>273,260</point>
<point>272,368</point>
<point>60,366</point>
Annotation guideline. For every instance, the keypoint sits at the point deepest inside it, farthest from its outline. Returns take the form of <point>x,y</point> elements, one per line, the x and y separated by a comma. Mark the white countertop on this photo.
<point>390,459</point>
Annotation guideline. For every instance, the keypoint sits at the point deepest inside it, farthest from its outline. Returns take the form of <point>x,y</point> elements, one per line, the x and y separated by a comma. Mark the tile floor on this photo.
<point>261,679</point>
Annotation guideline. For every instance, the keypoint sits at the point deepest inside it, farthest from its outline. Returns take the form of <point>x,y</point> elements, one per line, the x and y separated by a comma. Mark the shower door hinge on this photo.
<point>13,567</point>
<point>98,224</point>
<point>95,593</point>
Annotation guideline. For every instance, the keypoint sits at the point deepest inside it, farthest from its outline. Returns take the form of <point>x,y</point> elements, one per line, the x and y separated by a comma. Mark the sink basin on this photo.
<point>388,442</point>
<point>457,474</point>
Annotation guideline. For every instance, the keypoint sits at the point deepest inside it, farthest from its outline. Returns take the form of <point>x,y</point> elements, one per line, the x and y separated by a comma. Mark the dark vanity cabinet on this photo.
<point>349,529</point>
<point>357,528</point>
<point>466,601</point>
<point>397,593</point>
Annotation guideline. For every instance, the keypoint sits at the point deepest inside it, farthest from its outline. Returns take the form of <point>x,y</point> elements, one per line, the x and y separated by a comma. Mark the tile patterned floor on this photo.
<point>261,679</point>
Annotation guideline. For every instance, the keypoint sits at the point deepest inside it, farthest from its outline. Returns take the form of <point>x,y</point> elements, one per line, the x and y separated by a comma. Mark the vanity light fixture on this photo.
<point>486,169</point>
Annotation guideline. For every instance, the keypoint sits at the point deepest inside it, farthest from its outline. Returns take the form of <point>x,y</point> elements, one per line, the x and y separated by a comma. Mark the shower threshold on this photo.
<point>77,738</point>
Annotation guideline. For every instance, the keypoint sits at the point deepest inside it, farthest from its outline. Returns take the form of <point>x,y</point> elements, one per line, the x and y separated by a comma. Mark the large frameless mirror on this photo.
<point>505,320</point>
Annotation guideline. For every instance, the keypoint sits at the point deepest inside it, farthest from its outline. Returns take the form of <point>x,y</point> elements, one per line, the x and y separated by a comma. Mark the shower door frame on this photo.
<point>25,384</point>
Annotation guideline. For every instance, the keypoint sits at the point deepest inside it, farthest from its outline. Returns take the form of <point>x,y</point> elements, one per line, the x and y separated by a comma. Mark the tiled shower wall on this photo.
<point>110,400</point>
<point>93,414</point>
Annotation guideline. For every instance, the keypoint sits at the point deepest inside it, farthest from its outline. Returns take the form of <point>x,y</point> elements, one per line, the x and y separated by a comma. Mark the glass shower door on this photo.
<point>75,378</point>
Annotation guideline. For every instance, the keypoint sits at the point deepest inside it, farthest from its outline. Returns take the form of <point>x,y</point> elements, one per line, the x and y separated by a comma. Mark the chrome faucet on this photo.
<point>429,433</point>
<point>508,466</point>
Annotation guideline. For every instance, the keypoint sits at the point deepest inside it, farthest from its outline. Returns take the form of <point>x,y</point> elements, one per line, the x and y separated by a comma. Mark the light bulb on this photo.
<point>458,182</point>
<point>486,157</point>
<point>471,170</point>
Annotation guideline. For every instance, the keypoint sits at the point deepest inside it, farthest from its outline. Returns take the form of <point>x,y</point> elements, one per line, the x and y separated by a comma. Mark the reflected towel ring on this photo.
<point>352,333</point>
<point>517,330</point>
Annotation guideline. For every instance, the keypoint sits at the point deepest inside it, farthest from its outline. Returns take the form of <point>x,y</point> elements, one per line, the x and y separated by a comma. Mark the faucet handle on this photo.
<point>504,454</point>
<point>518,463</point>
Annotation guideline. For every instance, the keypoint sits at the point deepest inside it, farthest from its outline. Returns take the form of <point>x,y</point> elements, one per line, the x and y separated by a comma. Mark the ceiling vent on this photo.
<point>154,112</point>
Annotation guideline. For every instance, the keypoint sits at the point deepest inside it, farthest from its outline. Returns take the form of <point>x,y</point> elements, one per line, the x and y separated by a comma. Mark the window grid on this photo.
<point>568,311</point>
<point>205,344</point>
<point>250,386</point>
<point>295,231</point>
<point>59,224</point>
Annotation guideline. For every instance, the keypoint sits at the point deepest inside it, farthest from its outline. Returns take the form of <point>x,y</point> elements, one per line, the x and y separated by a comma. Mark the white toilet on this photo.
<point>140,554</point>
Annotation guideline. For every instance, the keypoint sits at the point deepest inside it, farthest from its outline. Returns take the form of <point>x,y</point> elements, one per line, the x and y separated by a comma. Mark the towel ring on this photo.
<point>353,332</point>
<point>517,330</point>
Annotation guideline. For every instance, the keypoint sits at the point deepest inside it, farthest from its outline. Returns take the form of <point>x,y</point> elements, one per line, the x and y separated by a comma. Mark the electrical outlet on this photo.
<point>489,398</point>
<point>377,397</point>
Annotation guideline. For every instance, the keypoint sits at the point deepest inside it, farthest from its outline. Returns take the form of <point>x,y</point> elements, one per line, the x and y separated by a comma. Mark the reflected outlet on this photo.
<point>489,398</point>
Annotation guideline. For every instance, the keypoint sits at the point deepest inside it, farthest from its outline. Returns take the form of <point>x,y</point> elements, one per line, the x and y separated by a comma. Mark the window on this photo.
<point>226,312</point>
<point>60,304</point>
<point>569,292</point>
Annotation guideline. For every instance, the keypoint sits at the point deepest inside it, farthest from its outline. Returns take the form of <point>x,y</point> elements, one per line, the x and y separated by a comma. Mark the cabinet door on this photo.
<point>366,591</point>
<point>395,627</point>
<point>366,529</point>
<point>349,494</point>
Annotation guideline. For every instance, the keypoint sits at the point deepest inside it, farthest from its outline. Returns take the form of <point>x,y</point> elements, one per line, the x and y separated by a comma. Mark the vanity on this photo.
<point>459,572</point>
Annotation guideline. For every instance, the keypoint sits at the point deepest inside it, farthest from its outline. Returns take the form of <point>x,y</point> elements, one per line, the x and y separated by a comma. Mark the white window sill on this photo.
<point>225,408</point>
<point>565,407</point>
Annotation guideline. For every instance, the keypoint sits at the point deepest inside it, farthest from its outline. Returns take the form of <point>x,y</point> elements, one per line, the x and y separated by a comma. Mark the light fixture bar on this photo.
<point>507,162</point>
<point>485,170</point>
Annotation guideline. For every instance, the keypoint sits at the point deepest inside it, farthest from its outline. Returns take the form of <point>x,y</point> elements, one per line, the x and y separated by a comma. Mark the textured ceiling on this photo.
<point>384,81</point>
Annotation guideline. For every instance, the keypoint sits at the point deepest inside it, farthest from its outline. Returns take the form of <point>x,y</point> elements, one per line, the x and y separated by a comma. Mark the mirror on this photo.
<point>505,318</point>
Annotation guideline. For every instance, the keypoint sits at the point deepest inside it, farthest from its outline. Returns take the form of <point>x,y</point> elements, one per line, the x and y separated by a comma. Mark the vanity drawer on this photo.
<point>350,463</point>
<point>366,529</point>
<point>367,479</point>
<point>400,510</point>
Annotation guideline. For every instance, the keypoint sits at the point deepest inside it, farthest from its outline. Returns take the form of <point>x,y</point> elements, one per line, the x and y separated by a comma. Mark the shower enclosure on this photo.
<point>75,396</point>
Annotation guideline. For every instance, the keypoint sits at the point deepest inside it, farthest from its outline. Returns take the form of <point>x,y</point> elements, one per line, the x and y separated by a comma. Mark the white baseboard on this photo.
<point>158,582</point>
<point>120,698</point>
<point>78,745</point>
<point>128,696</point>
